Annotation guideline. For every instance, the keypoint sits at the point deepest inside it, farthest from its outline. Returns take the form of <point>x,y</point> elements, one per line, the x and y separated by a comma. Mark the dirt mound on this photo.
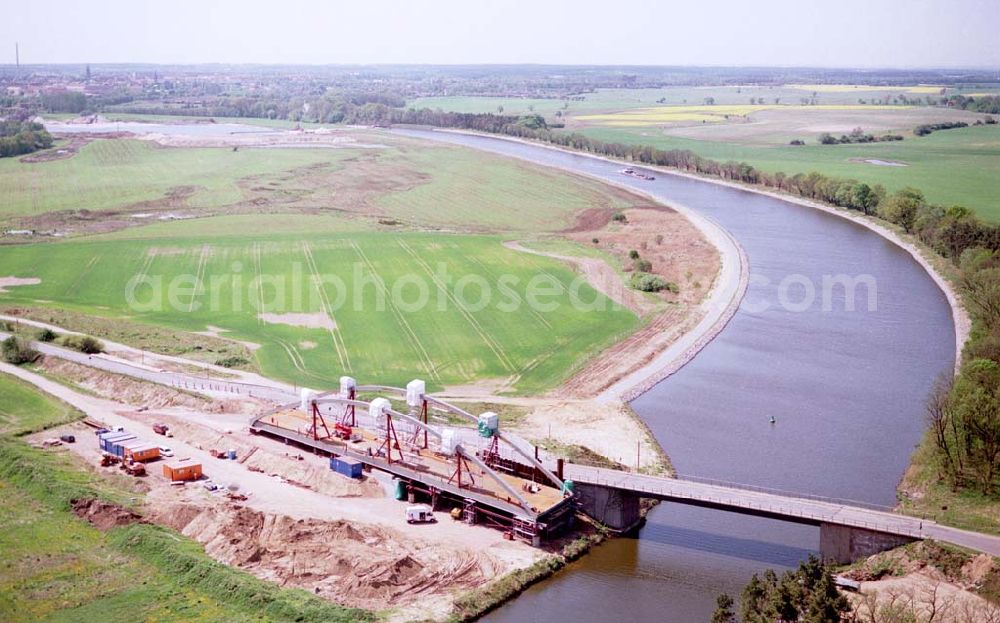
<point>355,564</point>
<point>122,388</point>
<point>105,515</point>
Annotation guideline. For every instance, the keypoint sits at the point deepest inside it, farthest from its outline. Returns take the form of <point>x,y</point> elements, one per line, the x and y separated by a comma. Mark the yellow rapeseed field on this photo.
<point>847,88</point>
<point>705,114</point>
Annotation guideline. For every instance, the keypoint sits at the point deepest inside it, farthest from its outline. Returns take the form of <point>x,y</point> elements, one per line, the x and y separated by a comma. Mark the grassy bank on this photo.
<point>23,410</point>
<point>479,602</point>
<point>952,167</point>
<point>56,567</point>
<point>924,494</point>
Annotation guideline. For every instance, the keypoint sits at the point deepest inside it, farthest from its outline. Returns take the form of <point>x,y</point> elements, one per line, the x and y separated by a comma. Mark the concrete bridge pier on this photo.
<point>616,509</point>
<point>846,544</point>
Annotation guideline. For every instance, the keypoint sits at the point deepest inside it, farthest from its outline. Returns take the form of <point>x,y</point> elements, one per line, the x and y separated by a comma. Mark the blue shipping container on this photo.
<point>108,440</point>
<point>346,467</point>
<point>116,446</point>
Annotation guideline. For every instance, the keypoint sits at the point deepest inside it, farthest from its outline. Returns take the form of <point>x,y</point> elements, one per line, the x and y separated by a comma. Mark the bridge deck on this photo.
<point>786,507</point>
<point>421,466</point>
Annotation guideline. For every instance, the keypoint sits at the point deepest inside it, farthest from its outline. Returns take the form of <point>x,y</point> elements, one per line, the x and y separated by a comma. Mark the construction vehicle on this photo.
<point>420,513</point>
<point>108,459</point>
<point>133,469</point>
<point>343,431</point>
<point>160,429</point>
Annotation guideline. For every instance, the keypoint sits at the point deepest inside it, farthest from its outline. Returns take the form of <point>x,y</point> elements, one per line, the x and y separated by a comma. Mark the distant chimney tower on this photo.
<point>17,55</point>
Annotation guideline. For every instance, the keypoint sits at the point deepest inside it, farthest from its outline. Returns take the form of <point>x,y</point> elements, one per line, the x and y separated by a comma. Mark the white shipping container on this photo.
<point>347,383</point>
<point>415,391</point>
<point>377,411</point>
<point>307,396</point>
<point>449,439</point>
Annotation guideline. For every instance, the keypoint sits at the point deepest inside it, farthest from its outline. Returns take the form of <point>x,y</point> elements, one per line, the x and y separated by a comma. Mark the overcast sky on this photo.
<point>837,33</point>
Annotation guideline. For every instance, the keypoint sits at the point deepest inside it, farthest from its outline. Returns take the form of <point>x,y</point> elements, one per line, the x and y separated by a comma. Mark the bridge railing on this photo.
<point>786,493</point>
<point>905,526</point>
<point>602,472</point>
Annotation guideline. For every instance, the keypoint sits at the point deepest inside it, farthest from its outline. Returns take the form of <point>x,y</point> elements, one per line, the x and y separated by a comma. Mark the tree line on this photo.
<point>22,137</point>
<point>857,135</point>
<point>964,414</point>
<point>949,230</point>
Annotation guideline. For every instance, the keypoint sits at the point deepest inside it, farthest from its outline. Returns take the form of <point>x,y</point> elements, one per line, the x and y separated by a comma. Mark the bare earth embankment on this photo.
<point>299,524</point>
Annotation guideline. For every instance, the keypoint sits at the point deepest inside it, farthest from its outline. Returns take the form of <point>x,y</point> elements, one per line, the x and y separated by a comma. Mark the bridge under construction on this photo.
<point>483,474</point>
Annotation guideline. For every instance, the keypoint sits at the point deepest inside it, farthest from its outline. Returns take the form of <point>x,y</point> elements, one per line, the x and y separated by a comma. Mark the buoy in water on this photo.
<point>771,419</point>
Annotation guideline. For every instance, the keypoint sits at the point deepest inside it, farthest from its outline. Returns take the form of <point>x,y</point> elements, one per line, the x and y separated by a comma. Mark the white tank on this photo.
<point>307,396</point>
<point>415,391</point>
<point>347,383</point>
<point>449,439</point>
<point>488,421</point>
<point>377,410</point>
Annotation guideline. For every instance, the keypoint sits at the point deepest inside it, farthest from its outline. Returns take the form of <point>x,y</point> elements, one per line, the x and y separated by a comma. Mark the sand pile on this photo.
<point>357,565</point>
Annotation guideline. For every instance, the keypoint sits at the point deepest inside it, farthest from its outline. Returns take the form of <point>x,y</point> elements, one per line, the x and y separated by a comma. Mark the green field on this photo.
<point>406,180</point>
<point>23,409</point>
<point>447,341</point>
<point>951,167</point>
<point>110,174</point>
<point>623,99</point>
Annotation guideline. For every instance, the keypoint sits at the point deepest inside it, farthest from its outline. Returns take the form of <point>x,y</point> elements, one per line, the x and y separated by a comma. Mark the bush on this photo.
<point>633,254</point>
<point>619,217</point>
<point>643,266</point>
<point>233,361</point>
<point>83,343</point>
<point>46,335</point>
<point>594,240</point>
<point>16,351</point>
<point>646,282</point>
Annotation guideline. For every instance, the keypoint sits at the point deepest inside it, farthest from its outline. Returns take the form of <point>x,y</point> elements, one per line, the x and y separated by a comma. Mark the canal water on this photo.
<point>845,387</point>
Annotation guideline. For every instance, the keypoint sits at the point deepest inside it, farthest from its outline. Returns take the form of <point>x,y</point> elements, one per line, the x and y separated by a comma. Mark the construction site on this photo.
<point>481,475</point>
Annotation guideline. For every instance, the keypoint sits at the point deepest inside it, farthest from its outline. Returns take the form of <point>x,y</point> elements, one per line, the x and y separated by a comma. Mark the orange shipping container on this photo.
<point>142,452</point>
<point>182,471</point>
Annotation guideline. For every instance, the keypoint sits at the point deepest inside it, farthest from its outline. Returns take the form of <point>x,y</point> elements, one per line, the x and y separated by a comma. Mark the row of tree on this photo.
<point>984,103</point>
<point>857,135</point>
<point>926,128</point>
<point>948,230</point>
<point>965,414</point>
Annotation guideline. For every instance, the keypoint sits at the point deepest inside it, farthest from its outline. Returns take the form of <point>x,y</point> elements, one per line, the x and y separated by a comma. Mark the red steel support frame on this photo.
<point>317,418</point>
<point>348,418</point>
<point>492,453</point>
<point>457,474</point>
<point>423,417</point>
<point>415,440</point>
<point>391,442</point>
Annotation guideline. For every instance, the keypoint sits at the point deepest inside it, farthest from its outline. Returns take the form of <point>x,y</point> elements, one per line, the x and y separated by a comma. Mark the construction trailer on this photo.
<point>140,451</point>
<point>181,471</point>
<point>500,484</point>
<point>112,442</point>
